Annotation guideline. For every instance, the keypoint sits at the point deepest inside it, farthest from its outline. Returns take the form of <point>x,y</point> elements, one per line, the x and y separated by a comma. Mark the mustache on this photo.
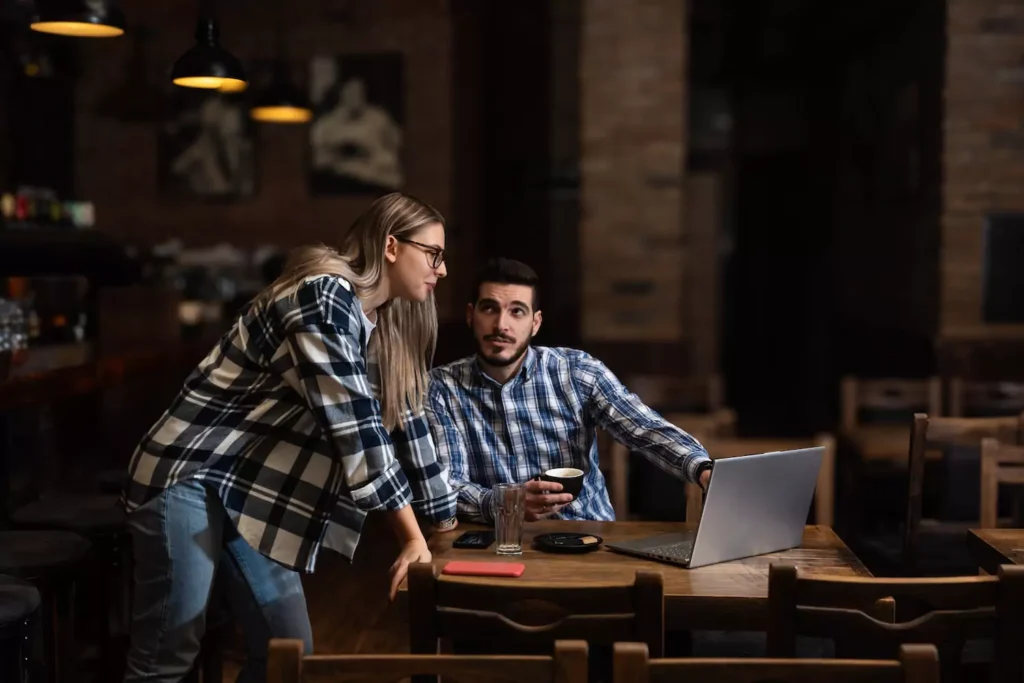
<point>499,337</point>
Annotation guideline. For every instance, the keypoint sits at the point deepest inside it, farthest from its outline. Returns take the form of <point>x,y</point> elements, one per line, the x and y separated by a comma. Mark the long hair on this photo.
<point>406,334</point>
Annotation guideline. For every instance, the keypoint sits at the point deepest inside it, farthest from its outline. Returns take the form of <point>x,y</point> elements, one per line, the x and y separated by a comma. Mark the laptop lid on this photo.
<point>756,504</point>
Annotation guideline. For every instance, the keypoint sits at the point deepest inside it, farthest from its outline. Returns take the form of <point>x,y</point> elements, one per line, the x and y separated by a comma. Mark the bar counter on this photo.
<point>51,373</point>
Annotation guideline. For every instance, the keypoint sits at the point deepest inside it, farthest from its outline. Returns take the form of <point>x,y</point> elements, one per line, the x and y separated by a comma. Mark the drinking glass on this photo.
<point>509,512</point>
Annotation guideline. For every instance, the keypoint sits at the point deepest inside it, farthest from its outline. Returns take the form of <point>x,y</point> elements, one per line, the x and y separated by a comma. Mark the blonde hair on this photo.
<point>406,334</point>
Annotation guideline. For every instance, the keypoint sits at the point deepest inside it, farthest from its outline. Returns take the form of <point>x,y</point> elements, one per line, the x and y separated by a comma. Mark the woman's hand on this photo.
<point>414,551</point>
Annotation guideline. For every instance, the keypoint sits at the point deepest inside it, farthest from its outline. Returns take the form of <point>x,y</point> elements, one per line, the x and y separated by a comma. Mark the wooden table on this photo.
<point>993,547</point>
<point>726,596</point>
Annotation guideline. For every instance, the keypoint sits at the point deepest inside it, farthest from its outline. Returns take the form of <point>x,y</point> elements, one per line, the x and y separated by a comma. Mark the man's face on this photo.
<point>503,322</point>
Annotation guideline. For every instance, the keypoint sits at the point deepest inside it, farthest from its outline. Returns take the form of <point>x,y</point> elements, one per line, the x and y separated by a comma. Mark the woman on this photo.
<point>280,442</point>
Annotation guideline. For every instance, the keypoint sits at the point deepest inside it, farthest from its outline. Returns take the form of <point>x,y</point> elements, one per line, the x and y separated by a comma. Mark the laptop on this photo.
<point>755,504</point>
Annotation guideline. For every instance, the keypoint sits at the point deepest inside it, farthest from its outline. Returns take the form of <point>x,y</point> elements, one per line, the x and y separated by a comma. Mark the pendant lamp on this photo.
<point>79,18</point>
<point>282,102</point>
<point>206,64</point>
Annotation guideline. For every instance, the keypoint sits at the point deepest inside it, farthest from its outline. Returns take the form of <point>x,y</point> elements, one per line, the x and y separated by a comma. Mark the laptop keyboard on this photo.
<point>679,552</point>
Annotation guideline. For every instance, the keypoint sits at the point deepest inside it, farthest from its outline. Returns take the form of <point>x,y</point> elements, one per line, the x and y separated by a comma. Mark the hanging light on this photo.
<point>282,102</point>
<point>79,18</point>
<point>207,65</point>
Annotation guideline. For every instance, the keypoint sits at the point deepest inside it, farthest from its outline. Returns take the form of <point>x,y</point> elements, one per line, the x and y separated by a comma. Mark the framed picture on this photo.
<point>356,133</point>
<point>207,145</point>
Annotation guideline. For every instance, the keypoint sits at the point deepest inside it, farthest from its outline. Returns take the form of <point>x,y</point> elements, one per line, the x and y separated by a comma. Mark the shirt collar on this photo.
<point>524,373</point>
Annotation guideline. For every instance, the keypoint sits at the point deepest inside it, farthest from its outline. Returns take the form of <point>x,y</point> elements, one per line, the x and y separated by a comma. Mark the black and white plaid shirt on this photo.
<point>282,420</point>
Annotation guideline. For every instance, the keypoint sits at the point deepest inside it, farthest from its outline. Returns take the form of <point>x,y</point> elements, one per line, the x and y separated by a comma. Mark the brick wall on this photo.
<point>633,123</point>
<point>984,144</point>
<point>116,162</point>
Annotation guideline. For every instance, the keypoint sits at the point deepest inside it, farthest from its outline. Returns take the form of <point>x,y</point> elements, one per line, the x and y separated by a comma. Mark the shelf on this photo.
<point>47,251</point>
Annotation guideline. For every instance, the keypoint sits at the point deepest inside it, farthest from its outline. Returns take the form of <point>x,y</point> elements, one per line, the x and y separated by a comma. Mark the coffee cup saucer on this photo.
<point>567,542</point>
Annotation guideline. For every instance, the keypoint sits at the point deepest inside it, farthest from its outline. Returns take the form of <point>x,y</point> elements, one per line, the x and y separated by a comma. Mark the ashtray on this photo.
<point>567,542</point>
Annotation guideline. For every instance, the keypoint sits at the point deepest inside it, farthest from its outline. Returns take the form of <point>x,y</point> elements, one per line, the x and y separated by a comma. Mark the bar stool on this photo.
<point>19,602</point>
<point>111,482</point>
<point>51,560</point>
<point>102,520</point>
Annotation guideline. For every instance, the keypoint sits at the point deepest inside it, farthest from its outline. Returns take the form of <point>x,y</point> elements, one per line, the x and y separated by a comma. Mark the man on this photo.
<point>515,410</point>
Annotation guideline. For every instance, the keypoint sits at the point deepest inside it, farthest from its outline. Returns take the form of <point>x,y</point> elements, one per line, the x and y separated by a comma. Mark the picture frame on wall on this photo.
<point>357,132</point>
<point>207,146</point>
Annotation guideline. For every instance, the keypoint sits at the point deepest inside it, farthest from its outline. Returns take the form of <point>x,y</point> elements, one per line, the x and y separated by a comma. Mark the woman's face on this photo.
<point>416,262</point>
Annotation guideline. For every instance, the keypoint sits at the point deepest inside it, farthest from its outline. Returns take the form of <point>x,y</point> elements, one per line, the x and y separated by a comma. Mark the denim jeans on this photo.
<point>183,540</point>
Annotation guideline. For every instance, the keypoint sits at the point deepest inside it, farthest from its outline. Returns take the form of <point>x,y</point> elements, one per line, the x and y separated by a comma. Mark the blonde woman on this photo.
<point>307,415</point>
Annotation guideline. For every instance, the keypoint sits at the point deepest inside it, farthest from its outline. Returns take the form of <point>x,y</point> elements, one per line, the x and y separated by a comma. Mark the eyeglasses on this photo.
<point>435,254</point>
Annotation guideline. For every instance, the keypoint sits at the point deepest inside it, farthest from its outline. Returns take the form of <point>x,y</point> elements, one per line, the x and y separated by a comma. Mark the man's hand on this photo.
<point>453,525</point>
<point>413,551</point>
<point>705,477</point>
<point>543,499</point>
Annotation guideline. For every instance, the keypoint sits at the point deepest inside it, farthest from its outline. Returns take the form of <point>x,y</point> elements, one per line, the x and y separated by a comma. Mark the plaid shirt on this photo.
<point>282,420</point>
<point>544,418</point>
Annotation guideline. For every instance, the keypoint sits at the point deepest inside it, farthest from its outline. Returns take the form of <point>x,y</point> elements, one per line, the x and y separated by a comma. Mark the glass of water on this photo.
<point>509,512</point>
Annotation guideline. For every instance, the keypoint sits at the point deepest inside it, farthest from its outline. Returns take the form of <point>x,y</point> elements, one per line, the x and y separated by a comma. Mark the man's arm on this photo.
<point>638,427</point>
<point>474,500</point>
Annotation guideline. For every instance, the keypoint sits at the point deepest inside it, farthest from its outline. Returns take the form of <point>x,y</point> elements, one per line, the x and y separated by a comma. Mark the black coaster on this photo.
<point>567,542</point>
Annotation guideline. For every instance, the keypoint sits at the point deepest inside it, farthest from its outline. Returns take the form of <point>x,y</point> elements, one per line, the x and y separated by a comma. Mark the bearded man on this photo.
<point>513,411</point>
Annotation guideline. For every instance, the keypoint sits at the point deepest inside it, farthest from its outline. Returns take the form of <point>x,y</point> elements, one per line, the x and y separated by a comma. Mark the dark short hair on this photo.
<point>507,271</point>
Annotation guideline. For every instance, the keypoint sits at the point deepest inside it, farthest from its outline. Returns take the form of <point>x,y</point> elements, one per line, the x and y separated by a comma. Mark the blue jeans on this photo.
<point>182,540</point>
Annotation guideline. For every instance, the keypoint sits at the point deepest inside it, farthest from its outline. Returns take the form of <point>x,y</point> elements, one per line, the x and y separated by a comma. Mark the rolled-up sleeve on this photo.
<point>331,376</point>
<point>433,496</point>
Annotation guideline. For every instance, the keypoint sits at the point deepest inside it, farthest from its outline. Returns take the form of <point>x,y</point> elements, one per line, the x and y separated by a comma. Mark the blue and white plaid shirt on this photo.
<point>282,420</point>
<point>544,418</point>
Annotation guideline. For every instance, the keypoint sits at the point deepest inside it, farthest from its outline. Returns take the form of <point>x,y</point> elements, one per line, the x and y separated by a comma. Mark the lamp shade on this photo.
<point>79,18</point>
<point>282,102</point>
<point>208,65</point>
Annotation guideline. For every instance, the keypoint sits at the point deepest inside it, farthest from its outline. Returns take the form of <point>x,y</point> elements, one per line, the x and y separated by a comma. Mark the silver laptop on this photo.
<point>755,504</point>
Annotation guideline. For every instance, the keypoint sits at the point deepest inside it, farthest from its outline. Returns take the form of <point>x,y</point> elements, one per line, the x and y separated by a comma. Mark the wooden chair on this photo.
<point>916,664</point>
<point>287,664</point>
<point>519,616</point>
<point>701,394</point>
<point>976,398</point>
<point>1000,464</point>
<point>824,494</point>
<point>928,436</point>
<point>873,413</point>
<point>858,614</point>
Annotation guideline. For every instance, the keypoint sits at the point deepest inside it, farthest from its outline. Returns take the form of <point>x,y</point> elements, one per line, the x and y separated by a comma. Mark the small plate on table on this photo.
<point>567,542</point>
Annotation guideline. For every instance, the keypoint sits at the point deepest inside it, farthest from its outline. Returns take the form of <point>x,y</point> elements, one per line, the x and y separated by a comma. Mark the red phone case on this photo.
<point>464,568</point>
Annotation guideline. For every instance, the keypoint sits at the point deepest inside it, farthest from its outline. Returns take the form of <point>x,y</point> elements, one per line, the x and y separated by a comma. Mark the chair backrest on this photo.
<point>287,664</point>
<point>679,394</point>
<point>978,398</point>
<point>888,400</point>
<point>859,614</point>
<point>916,664</point>
<point>935,433</point>
<point>1000,464</point>
<point>513,616</point>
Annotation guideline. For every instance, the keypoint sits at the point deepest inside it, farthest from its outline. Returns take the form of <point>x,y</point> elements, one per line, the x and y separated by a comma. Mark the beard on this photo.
<point>498,361</point>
